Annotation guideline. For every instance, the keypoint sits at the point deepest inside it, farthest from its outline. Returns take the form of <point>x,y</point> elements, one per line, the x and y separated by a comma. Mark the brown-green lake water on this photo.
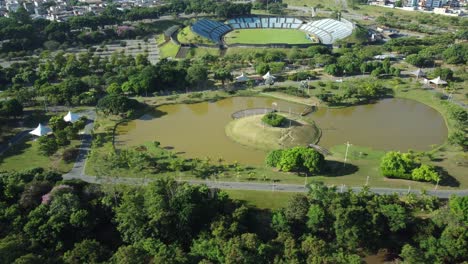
<point>197,130</point>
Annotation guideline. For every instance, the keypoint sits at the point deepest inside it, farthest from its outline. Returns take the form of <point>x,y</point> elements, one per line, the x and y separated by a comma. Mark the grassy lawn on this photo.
<point>250,131</point>
<point>26,155</point>
<point>187,36</point>
<point>169,50</point>
<point>266,36</point>
<point>262,199</point>
<point>202,51</point>
<point>245,51</point>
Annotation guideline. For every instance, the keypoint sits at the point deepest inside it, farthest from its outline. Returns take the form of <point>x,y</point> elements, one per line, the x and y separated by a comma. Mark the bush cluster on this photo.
<point>405,166</point>
<point>298,159</point>
<point>273,119</point>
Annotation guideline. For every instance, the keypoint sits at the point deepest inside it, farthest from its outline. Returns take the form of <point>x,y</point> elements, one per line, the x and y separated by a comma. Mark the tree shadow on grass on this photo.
<point>17,149</point>
<point>337,168</point>
<point>446,178</point>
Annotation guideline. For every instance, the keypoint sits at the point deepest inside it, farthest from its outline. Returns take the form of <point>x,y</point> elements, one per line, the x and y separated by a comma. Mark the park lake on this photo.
<point>198,130</point>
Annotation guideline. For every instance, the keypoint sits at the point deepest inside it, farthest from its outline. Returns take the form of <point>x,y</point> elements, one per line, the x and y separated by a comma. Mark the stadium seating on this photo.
<point>328,30</point>
<point>210,29</point>
<point>264,22</point>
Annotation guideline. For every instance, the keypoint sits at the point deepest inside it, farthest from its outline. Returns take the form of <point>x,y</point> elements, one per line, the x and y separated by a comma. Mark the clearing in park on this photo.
<point>266,36</point>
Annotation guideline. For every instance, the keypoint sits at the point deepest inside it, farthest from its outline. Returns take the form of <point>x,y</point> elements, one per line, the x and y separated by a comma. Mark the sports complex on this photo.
<point>269,31</point>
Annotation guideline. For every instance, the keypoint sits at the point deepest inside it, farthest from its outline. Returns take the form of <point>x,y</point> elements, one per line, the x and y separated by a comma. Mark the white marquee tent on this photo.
<point>418,73</point>
<point>438,81</point>
<point>71,117</point>
<point>268,76</point>
<point>242,78</point>
<point>41,131</point>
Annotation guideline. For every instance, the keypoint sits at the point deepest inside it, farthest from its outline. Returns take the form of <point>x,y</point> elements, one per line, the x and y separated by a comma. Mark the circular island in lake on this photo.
<point>251,131</point>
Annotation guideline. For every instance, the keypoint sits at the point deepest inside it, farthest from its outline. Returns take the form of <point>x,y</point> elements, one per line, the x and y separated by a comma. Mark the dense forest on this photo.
<point>44,218</point>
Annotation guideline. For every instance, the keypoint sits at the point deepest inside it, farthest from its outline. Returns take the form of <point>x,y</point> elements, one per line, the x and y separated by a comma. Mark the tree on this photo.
<point>57,123</point>
<point>274,157</point>
<point>116,104</point>
<point>273,119</point>
<point>223,74</point>
<point>86,251</point>
<point>114,88</point>
<point>396,164</point>
<point>11,247</point>
<point>47,145</point>
<point>291,160</point>
<point>197,74</point>
<point>11,108</point>
<point>129,255</point>
<point>459,207</point>
<point>313,160</point>
<point>262,68</point>
<point>425,173</point>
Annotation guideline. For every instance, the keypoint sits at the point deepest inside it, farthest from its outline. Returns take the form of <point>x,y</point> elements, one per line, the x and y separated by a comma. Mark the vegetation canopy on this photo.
<point>273,119</point>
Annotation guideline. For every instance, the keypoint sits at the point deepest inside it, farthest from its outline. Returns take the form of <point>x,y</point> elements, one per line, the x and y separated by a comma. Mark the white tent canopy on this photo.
<point>418,73</point>
<point>438,81</point>
<point>242,78</point>
<point>71,117</point>
<point>41,131</point>
<point>268,76</point>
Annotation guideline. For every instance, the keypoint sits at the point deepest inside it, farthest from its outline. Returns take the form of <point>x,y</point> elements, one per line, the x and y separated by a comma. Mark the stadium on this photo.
<point>270,31</point>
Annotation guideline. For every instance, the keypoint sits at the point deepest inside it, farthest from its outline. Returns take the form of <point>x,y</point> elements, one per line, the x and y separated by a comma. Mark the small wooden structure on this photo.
<point>320,149</point>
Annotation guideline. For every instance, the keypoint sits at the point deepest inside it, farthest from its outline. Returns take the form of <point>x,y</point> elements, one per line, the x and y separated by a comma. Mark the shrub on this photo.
<point>273,119</point>
<point>425,173</point>
<point>47,145</point>
<point>273,158</point>
<point>299,159</point>
<point>70,154</point>
<point>398,165</point>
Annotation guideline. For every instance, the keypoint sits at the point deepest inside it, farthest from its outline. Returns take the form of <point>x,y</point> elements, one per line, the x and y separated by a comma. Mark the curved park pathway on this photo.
<point>77,172</point>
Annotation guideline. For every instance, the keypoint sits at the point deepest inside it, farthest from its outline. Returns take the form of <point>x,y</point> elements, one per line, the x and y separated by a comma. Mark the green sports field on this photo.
<point>266,36</point>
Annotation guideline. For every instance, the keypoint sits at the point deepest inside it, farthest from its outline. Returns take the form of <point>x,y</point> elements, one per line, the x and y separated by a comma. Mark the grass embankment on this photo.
<point>25,155</point>
<point>187,36</point>
<point>266,36</point>
<point>169,49</point>
<point>202,51</point>
<point>291,98</point>
<point>160,39</point>
<point>252,132</point>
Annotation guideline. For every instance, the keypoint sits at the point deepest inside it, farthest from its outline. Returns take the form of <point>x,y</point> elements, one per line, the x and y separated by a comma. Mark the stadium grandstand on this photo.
<point>211,29</point>
<point>328,30</point>
<point>325,30</point>
<point>264,22</point>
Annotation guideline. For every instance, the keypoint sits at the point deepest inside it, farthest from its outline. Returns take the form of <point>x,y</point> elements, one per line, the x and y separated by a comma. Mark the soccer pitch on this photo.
<point>266,36</point>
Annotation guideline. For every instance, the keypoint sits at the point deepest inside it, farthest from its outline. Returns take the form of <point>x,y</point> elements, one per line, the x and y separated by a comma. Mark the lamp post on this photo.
<point>346,154</point>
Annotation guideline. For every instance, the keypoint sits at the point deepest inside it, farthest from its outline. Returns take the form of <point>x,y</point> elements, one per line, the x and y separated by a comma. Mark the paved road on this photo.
<point>252,186</point>
<point>77,172</point>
